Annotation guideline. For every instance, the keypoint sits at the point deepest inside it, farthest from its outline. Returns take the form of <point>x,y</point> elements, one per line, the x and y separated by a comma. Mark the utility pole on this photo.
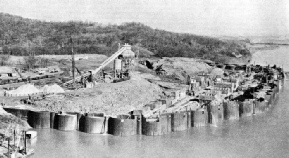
<point>115,73</point>
<point>73,60</point>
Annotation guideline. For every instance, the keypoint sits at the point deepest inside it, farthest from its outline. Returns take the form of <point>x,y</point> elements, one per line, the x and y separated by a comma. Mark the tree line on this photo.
<point>21,36</point>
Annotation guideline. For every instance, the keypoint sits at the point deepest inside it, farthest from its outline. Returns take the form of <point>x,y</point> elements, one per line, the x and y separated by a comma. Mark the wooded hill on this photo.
<point>22,36</point>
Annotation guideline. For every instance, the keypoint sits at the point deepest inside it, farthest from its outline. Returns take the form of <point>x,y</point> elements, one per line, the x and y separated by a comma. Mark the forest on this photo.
<point>22,36</point>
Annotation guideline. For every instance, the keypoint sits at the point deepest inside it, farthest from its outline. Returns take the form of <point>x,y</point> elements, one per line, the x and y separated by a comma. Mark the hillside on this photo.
<point>21,36</point>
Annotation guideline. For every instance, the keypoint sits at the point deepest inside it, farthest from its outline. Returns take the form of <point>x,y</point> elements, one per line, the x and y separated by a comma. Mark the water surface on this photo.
<point>278,56</point>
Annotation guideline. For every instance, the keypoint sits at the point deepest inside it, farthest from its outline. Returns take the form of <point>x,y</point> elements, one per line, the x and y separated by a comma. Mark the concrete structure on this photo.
<point>39,119</point>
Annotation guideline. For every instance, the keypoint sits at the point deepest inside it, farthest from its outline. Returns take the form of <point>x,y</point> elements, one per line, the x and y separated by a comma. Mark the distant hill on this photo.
<point>21,36</point>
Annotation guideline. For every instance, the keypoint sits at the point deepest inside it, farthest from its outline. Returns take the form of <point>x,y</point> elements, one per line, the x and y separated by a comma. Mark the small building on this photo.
<point>6,71</point>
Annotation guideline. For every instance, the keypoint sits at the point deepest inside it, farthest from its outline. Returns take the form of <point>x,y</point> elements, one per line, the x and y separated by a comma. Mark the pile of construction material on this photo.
<point>24,90</point>
<point>110,98</point>
<point>30,89</point>
<point>52,89</point>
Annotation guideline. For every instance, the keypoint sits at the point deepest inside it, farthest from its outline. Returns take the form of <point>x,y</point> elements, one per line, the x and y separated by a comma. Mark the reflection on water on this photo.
<point>262,135</point>
<point>278,56</point>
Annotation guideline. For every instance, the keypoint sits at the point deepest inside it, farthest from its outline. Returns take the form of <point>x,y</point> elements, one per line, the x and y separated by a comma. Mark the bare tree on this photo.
<point>30,62</point>
<point>43,62</point>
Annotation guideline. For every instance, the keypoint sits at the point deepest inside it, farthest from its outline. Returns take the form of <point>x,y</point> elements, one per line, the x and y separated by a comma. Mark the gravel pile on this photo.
<point>52,89</point>
<point>26,89</point>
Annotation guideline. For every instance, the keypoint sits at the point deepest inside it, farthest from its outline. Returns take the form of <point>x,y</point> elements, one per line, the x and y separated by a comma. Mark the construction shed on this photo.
<point>6,71</point>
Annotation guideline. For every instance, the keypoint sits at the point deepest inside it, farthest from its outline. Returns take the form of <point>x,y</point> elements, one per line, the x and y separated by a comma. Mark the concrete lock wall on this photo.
<point>20,113</point>
<point>260,106</point>
<point>234,110</point>
<point>246,108</point>
<point>92,124</point>
<point>231,110</point>
<point>140,121</point>
<point>221,116</point>
<point>52,120</point>
<point>137,114</point>
<point>189,119</point>
<point>122,126</point>
<point>268,99</point>
<point>100,114</point>
<point>180,121</point>
<point>166,123</point>
<point>200,118</point>
<point>39,119</point>
<point>160,127</point>
<point>66,122</point>
<point>80,115</point>
<point>152,128</point>
<point>215,114</point>
<point>278,85</point>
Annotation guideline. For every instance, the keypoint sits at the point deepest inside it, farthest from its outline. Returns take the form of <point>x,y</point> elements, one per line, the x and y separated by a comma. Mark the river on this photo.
<point>278,56</point>
<point>263,135</point>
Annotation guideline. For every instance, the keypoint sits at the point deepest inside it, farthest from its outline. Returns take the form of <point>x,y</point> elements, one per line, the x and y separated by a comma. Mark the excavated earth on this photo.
<point>178,68</point>
<point>110,98</point>
<point>7,119</point>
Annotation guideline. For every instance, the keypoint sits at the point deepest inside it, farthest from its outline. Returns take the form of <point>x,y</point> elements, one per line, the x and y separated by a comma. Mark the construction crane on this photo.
<point>19,73</point>
<point>102,65</point>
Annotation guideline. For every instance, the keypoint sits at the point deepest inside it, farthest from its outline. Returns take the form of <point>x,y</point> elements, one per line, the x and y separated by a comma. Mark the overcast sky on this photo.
<point>203,17</point>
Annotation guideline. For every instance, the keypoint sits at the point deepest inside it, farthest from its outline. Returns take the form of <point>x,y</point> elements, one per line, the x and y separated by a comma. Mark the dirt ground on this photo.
<point>189,65</point>
<point>110,98</point>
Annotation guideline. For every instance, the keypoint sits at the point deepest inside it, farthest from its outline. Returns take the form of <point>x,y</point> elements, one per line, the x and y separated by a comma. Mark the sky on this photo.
<point>202,17</point>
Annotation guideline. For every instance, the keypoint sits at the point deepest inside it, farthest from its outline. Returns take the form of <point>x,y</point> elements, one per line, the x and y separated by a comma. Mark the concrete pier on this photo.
<point>122,126</point>
<point>66,122</point>
<point>39,119</point>
<point>92,124</point>
<point>200,117</point>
